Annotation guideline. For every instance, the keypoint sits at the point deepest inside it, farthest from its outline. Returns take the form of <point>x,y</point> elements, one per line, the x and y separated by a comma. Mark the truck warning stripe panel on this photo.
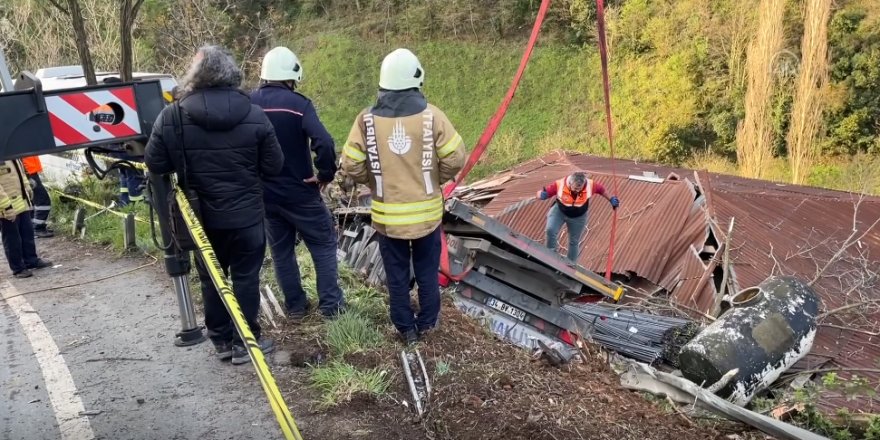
<point>69,116</point>
<point>126,95</point>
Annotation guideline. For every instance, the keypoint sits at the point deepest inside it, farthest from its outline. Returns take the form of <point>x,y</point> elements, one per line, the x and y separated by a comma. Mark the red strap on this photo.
<point>603,53</point>
<point>488,133</point>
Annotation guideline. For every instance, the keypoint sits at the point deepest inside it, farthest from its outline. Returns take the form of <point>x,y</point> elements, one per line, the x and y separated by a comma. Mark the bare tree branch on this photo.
<point>853,238</point>
<point>849,306</point>
<point>850,329</point>
<point>60,7</point>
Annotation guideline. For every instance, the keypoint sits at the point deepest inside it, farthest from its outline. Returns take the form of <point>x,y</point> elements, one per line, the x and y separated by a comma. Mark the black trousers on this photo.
<point>424,253</point>
<point>18,242</point>
<point>42,202</point>
<point>240,253</point>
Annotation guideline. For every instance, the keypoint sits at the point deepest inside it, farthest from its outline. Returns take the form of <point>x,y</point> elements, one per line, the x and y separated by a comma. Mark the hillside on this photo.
<point>677,67</point>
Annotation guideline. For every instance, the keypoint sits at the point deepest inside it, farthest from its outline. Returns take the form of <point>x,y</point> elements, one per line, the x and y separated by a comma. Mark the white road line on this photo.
<point>59,383</point>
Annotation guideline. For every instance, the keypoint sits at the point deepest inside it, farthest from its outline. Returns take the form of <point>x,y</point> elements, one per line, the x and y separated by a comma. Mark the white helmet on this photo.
<point>281,64</point>
<point>401,70</point>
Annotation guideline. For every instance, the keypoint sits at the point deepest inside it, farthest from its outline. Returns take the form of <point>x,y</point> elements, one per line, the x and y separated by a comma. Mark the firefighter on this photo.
<point>131,181</point>
<point>293,199</point>
<point>15,220</point>
<point>42,202</point>
<point>573,194</point>
<point>404,148</point>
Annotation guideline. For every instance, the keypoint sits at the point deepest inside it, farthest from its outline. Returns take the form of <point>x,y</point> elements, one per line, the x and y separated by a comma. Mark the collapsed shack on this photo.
<point>686,243</point>
<point>689,240</point>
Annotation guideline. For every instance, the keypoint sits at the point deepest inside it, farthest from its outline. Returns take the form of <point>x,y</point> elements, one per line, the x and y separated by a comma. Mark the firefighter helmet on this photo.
<point>281,64</point>
<point>401,70</point>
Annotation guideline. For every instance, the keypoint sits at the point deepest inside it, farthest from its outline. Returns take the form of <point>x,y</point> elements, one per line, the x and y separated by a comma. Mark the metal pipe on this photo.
<point>184,302</point>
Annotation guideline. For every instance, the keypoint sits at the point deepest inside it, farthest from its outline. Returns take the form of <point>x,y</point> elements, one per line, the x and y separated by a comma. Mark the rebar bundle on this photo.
<point>641,336</point>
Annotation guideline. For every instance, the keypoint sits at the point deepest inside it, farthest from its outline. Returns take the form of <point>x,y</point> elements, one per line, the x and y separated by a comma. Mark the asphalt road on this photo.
<point>97,360</point>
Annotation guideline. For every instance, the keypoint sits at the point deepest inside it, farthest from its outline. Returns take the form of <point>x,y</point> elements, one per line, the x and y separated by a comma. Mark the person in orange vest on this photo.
<point>42,202</point>
<point>573,194</point>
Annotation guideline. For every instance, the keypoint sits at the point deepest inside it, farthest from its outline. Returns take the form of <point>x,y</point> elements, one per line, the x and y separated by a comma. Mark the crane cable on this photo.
<point>603,54</point>
<point>488,133</point>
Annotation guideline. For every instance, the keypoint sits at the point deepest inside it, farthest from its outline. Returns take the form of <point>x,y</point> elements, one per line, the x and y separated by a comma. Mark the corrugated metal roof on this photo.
<point>779,228</point>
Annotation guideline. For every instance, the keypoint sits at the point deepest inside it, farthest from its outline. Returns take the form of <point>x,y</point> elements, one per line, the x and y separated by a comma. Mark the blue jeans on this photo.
<point>18,242</point>
<point>425,255</point>
<point>314,224</point>
<point>576,226</point>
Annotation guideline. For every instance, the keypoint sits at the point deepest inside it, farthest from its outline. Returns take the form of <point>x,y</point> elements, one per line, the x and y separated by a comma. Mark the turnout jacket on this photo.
<point>404,149</point>
<point>15,191</point>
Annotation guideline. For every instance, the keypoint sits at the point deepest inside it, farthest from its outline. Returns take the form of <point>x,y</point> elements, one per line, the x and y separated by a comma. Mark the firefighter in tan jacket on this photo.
<point>404,148</point>
<point>16,202</point>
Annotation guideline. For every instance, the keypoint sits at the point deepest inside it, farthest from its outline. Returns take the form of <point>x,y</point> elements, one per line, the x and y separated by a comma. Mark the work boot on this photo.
<point>23,274</point>
<point>410,337</point>
<point>44,233</point>
<point>425,332</point>
<point>224,350</point>
<point>41,264</point>
<point>297,316</point>
<point>333,314</point>
<point>240,354</point>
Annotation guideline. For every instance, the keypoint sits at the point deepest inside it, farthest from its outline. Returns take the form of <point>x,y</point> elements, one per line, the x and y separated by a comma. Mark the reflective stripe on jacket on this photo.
<point>404,160</point>
<point>15,191</point>
<point>567,198</point>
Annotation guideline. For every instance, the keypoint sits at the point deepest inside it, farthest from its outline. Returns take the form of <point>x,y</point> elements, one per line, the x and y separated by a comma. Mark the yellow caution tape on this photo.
<point>97,206</point>
<point>276,401</point>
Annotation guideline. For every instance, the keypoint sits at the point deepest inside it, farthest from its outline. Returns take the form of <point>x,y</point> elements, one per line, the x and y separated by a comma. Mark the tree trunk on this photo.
<point>82,41</point>
<point>125,20</point>
<point>128,11</point>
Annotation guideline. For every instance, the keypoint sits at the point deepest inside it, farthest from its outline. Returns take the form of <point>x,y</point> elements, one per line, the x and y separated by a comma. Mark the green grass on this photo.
<point>467,81</point>
<point>352,333</point>
<point>105,229</point>
<point>338,382</point>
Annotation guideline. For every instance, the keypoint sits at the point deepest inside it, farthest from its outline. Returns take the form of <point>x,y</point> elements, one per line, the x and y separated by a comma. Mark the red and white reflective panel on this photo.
<point>69,116</point>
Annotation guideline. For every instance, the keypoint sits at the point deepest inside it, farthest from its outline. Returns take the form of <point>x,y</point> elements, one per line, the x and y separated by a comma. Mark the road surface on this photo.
<point>97,360</point>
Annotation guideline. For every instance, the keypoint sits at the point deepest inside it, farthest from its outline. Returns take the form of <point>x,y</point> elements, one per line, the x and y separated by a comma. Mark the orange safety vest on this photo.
<point>565,196</point>
<point>32,164</point>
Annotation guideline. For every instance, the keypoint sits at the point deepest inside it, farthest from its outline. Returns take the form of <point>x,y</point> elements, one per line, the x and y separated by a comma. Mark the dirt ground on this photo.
<point>487,389</point>
<point>483,388</point>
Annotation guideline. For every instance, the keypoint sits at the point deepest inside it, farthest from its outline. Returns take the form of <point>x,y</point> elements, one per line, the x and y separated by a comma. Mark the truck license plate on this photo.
<point>506,308</point>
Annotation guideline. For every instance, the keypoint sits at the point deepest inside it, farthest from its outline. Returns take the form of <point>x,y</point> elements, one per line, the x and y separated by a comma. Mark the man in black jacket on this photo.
<point>226,145</point>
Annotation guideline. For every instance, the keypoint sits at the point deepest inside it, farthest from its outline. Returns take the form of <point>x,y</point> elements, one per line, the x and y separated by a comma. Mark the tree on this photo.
<point>807,110</point>
<point>128,11</point>
<point>73,10</point>
<point>755,135</point>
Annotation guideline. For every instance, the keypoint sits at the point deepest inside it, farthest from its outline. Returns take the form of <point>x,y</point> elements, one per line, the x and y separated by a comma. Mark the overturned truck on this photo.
<point>524,292</point>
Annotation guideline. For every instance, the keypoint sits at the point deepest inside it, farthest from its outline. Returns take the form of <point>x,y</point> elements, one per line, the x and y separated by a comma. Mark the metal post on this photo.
<point>177,262</point>
<point>5,78</point>
<point>79,220</point>
<point>129,232</point>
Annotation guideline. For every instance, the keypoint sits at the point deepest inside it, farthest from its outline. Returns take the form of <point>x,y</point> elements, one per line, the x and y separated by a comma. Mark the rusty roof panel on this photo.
<point>639,250</point>
<point>779,229</point>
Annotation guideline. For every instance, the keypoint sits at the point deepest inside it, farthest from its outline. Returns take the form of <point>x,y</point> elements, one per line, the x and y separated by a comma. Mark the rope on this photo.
<point>603,53</point>
<point>488,133</point>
